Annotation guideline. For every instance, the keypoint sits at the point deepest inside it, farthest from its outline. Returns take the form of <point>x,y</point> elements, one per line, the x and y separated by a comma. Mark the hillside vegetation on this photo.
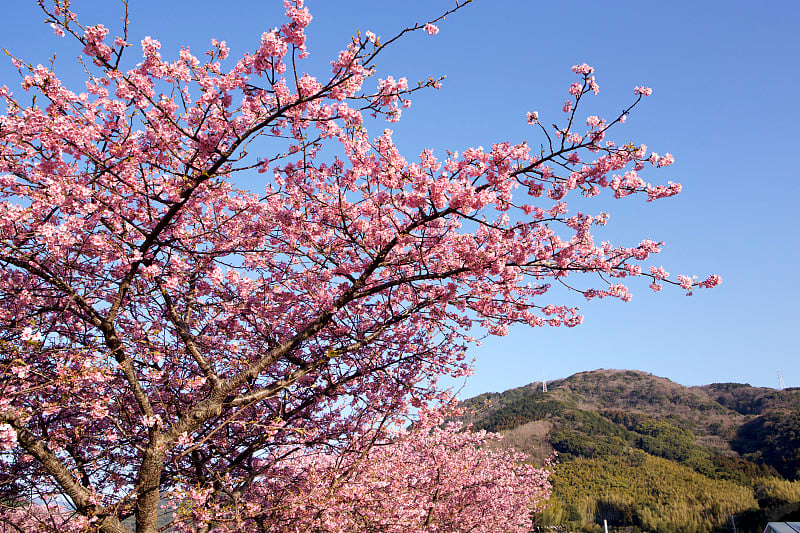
<point>648,454</point>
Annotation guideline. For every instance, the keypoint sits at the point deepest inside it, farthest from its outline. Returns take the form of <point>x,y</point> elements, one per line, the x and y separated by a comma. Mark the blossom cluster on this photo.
<point>427,479</point>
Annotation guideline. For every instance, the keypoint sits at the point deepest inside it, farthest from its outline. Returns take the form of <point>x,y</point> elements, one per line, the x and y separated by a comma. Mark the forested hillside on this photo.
<point>648,454</point>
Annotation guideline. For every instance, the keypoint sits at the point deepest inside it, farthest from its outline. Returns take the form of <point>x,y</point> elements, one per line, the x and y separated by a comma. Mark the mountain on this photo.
<point>649,454</point>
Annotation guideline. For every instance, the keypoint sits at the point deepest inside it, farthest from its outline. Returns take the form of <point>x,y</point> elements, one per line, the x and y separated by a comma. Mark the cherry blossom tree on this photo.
<point>432,478</point>
<point>168,337</point>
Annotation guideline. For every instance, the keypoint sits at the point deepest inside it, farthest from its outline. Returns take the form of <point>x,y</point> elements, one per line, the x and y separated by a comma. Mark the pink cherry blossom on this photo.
<point>28,335</point>
<point>183,440</point>
<point>93,37</point>
<point>595,88</point>
<point>658,273</point>
<point>8,437</point>
<point>582,69</point>
<point>666,160</point>
<point>431,29</point>
<point>712,281</point>
<point>575,138</point>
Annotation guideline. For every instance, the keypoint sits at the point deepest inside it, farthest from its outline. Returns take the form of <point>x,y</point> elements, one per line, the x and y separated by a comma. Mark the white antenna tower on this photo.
<point>544,384</point>
<point>781,384</point>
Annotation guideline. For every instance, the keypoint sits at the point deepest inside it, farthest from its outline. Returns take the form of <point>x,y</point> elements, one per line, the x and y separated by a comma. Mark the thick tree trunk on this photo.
<point>149,480</point>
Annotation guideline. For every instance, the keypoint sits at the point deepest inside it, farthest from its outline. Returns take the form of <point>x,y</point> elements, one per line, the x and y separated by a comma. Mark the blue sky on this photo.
<point>725,76</point>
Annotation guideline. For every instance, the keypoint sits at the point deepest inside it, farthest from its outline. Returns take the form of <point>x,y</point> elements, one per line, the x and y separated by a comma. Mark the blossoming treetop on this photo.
<point>164,334</point>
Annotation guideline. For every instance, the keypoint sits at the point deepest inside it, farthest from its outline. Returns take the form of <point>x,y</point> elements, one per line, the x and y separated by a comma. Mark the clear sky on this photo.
<point>725,76</point>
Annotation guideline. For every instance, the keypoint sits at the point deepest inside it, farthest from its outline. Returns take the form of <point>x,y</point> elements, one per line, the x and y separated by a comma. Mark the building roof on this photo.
<point>783,527</point>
